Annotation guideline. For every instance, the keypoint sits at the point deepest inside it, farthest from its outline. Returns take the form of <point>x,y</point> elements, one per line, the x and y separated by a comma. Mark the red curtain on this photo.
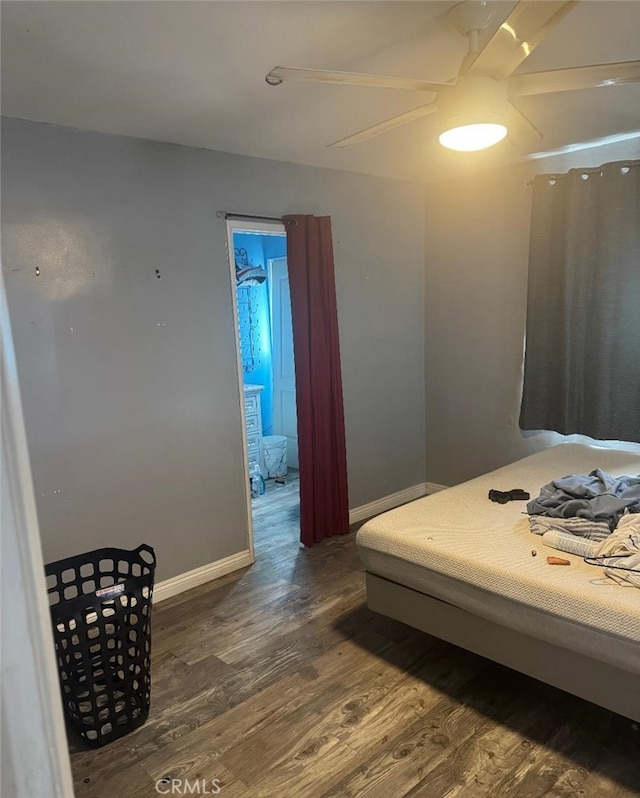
<point>324,500</point>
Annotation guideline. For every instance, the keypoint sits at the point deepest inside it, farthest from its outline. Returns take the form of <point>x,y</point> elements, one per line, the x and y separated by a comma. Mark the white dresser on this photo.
<point>253,418</point>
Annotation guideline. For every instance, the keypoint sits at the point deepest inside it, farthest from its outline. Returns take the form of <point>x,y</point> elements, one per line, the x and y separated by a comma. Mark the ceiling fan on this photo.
<point>476,109</point>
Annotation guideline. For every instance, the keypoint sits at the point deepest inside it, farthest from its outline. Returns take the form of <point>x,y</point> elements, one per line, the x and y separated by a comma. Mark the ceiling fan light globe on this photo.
<point>473,113</point>
<point>473,137</point>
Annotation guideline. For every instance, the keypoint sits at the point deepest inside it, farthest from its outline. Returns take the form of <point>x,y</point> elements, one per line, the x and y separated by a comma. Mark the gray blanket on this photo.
<point>597,496</point>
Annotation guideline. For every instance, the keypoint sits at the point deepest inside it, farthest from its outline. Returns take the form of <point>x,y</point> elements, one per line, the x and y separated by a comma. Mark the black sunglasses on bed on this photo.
<point>504,496</point>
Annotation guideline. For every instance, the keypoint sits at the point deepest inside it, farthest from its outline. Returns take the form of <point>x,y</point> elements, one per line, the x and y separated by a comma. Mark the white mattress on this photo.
<point>460,547</point>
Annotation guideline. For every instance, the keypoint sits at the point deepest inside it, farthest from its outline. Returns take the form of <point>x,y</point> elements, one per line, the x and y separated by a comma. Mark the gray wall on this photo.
<point>476,255</point>
<point>129,382</point>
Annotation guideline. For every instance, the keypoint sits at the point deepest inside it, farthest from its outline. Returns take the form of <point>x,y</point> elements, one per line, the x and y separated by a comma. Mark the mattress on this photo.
<point>459,547</point>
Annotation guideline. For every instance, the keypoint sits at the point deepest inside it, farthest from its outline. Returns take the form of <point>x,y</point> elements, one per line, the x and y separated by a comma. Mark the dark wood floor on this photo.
<point>278,681</point>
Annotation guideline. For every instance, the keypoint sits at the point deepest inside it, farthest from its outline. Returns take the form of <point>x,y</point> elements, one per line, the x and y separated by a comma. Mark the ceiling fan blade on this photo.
<point>522,131</point>
<point>587,77</point>
<point>518,36</point>
<point>279,74</point>
<point>576,146</point>
<point>386,126</point>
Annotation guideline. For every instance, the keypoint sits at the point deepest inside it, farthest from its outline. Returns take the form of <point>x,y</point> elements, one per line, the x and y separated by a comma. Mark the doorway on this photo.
<point>285,419</point>
<point>266,368</point>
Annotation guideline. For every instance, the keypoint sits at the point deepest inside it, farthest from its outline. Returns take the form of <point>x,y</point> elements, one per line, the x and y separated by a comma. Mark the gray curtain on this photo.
<point>582,359</point>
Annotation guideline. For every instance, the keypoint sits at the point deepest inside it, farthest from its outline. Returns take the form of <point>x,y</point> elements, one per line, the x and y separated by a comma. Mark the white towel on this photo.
<point>580,527</point>
<point>572,544</point>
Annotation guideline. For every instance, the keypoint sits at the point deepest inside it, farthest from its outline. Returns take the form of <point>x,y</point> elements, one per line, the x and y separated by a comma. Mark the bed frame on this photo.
<point>603,684</point>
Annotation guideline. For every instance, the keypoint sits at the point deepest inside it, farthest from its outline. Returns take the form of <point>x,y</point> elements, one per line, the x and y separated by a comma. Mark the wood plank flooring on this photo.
<point>278,681</point>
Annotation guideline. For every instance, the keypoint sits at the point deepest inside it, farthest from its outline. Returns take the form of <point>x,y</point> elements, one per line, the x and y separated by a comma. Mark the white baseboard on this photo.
<point>177,584</point>
<point>393,500</point>
<point>386,503</point>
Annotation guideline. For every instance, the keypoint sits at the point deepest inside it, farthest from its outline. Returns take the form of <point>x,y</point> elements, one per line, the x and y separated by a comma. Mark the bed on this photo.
<point>462,568</point>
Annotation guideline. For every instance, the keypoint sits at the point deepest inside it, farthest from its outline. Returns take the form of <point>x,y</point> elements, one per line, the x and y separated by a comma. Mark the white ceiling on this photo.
<point>193,73</point>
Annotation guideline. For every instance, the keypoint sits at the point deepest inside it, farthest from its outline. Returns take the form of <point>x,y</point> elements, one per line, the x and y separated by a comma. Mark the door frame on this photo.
<point>263,228</point>
<point>35,742</point>
<point>270,262</point>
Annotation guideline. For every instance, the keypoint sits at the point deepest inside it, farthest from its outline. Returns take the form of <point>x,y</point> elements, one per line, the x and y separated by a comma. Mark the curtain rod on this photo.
<point>249,217</point>
<point>625,163</point>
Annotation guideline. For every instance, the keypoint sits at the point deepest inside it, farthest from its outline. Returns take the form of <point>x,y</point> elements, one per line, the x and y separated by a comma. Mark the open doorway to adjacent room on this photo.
<point>258,259</point>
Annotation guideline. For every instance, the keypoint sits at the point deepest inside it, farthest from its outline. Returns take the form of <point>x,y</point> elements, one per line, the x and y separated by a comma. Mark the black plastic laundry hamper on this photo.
<point>100,606</point>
